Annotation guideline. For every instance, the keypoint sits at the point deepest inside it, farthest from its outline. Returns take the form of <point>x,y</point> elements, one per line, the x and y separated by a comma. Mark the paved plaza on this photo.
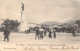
<point>22,40</point>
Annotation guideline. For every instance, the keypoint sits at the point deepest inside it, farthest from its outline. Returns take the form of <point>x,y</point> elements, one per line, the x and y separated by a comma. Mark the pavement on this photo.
<point>20,40</point>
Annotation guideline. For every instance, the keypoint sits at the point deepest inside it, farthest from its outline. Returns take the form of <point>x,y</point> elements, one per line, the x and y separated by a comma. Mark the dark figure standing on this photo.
<point>50,36</point>
<point>45,32</point>
<point>6,34</point>
<point>25,31</point>
<point>41,33</point>
<point>54,31</point>
<point>37,33</point>
<point>73,32</point>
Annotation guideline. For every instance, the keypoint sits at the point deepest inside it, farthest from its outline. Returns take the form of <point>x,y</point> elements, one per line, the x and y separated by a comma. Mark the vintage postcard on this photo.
<point>39,25</point>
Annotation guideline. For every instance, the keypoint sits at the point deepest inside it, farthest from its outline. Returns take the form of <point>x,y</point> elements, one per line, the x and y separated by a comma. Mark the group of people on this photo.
<point>41,33</point>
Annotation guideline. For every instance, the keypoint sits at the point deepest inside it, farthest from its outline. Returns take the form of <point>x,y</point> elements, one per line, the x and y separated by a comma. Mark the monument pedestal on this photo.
<point>24,23</point>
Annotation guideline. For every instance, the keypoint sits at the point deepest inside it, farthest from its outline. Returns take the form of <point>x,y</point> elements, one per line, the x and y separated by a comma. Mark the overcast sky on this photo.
<point>39,11</point>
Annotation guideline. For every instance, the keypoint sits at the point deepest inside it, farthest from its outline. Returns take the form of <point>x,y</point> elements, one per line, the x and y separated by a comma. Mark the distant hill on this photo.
<point>71,22</point>
<point>51,23</point>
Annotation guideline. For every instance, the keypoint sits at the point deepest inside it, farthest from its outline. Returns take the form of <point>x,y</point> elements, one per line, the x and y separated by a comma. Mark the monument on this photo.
<point>23,22</point>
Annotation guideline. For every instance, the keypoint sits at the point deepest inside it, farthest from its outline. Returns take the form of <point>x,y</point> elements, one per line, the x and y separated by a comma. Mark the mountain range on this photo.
<point>52,23</point>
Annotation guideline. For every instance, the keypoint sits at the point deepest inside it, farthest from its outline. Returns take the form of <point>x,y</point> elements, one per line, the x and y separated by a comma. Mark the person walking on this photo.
<point>6,34</point>
<point>73,32</point>
<point>41,33</point>
<point>37,33</point>
<point>54,33</point>
<point>50,36</point>
<point>45,32</point>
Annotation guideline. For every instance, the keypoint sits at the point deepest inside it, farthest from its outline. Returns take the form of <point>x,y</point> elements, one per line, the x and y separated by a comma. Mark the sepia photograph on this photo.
<point>39,25</point>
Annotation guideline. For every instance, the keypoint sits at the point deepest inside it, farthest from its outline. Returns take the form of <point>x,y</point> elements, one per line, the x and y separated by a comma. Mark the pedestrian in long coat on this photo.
<point>41,33</point>
<point>37,33</point>
<point>45,32</point>
<point>50,36</point>
<point>54,33</point>
<point>73,32</point>
<point>6,34</point>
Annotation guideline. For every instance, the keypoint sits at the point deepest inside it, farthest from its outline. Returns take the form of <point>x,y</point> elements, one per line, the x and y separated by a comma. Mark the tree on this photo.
<point>13,24</point>
<point>78,22</point>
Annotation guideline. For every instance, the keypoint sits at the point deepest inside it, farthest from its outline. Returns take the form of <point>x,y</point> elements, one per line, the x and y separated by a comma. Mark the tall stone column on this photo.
<point>24,22</point>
